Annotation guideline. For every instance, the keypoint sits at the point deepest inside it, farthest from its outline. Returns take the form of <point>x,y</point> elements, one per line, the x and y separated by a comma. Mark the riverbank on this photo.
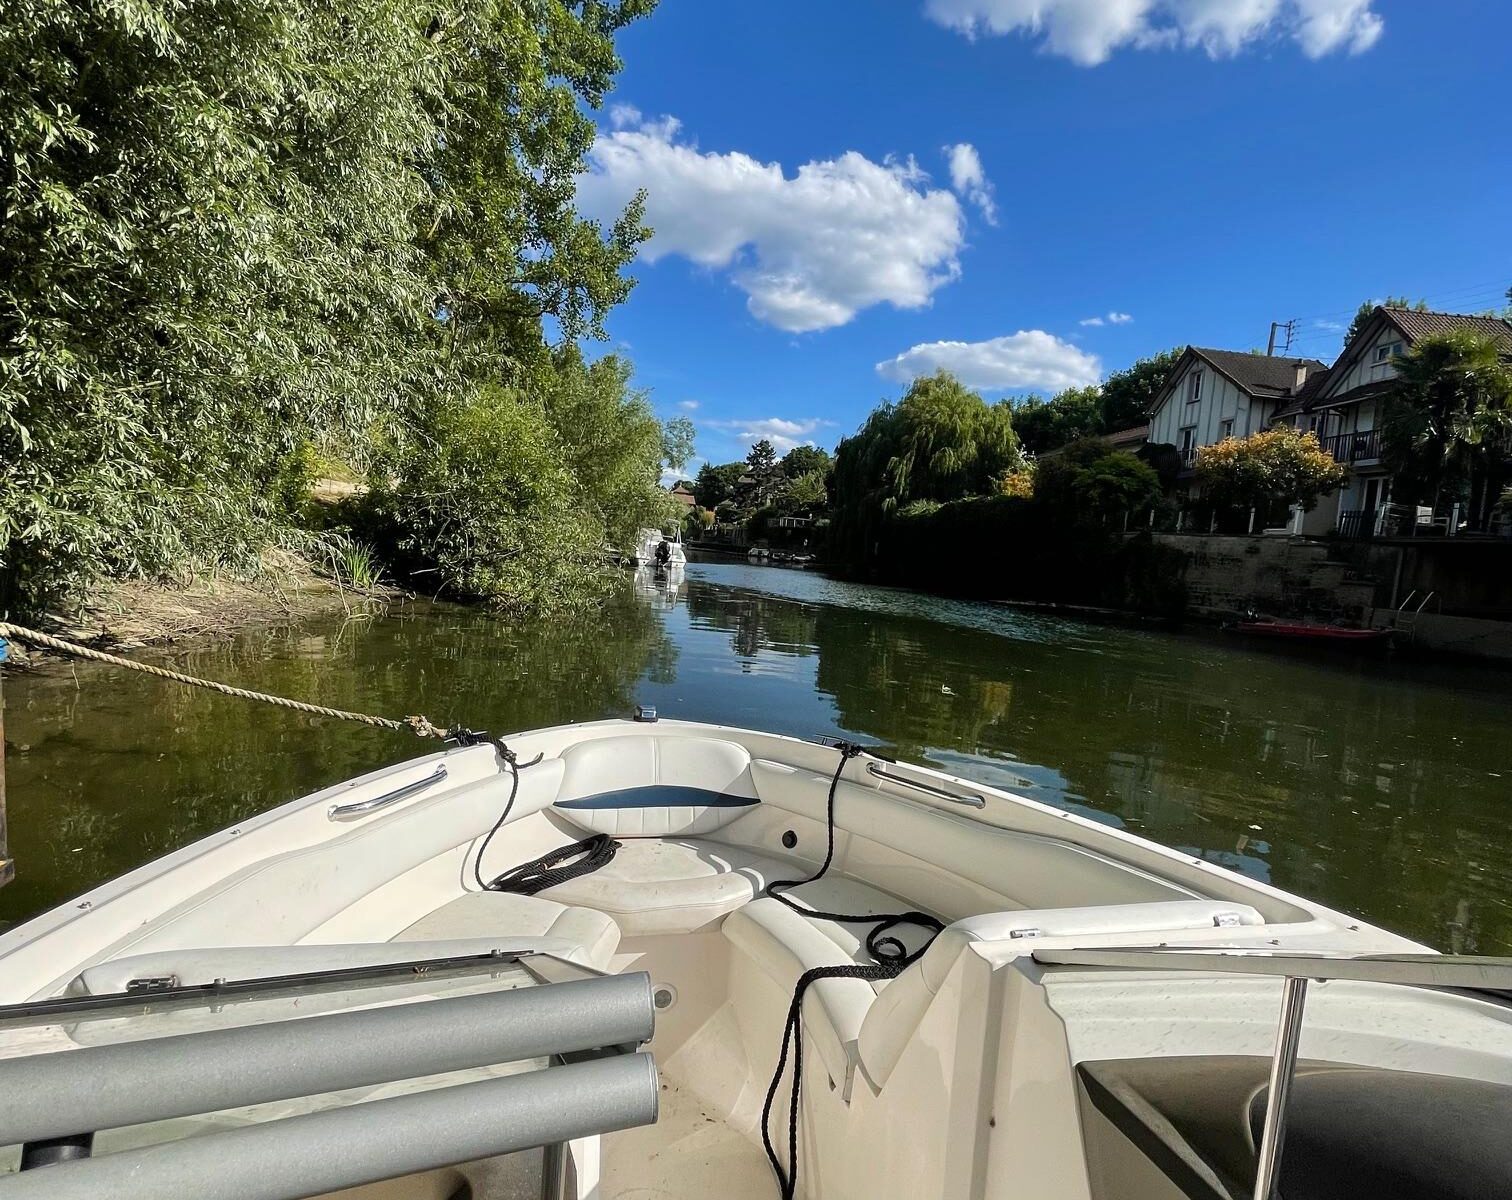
<point>126,614</point>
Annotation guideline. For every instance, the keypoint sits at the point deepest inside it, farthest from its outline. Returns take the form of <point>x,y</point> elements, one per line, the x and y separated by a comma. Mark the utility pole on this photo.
<point>1291,329</point>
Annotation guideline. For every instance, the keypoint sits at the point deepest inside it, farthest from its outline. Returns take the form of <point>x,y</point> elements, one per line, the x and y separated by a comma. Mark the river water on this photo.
<point>1383,788</point>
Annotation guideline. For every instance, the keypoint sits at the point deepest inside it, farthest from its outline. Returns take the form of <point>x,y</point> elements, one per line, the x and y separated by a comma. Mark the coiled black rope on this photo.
<point>552,867</point>
<point>891,957</point>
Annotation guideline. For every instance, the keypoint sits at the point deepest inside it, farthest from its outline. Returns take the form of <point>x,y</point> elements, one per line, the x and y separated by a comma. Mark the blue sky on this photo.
<point>851,192</point>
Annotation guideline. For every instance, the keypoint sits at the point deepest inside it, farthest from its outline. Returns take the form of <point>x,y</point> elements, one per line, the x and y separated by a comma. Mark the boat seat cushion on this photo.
<point>784,944</point>
<point>200,966</point>
<point>640,786</point>
<point>593,936</point>
<point>673,885</point>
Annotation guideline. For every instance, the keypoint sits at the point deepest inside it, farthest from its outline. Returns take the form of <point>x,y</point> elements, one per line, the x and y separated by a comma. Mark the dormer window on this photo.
<point>1194,389</point>
<point>1384,354</point>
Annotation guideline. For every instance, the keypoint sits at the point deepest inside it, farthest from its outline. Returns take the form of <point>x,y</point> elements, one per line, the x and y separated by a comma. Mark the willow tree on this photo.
<point>232,229</point>
<point>1446,429</point>
<point>940,442</point>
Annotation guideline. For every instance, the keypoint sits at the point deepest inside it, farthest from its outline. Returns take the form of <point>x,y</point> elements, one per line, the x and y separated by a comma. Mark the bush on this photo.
<point>482,507</point>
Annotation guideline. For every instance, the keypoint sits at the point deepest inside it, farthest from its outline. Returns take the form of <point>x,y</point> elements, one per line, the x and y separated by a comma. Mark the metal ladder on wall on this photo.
<point>1406,618</point>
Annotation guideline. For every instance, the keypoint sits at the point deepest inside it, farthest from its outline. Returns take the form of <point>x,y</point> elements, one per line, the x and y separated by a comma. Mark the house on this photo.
<point>683,494</point>
<point>1215,394</point>
<point>1344,410</point>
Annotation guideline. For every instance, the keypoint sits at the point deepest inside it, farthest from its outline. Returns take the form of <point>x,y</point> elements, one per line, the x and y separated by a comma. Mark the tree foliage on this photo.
<point>1446,426</point>
<point>1279,466</point>
<point>716,485</point>
<point>940,442</point>
<point>234,230</point>
<point>806,460</point>
<point>1121,401</point>
<point>1091,482</point>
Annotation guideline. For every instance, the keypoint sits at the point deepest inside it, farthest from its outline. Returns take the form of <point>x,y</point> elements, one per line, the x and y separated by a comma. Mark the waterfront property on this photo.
<point>1216,394</point>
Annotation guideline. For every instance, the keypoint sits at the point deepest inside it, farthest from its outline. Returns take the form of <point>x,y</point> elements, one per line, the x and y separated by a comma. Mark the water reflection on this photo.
<point>1378,788</point>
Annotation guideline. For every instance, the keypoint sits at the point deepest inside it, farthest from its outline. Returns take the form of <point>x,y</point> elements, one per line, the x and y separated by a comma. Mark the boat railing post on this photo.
<point>1283,1070</point>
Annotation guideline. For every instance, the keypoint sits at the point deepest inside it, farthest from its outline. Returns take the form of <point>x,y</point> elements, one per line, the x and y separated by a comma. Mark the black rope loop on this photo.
<point>890,958</point>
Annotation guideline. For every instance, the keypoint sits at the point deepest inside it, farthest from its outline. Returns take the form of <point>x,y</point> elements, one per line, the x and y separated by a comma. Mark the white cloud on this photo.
<point>623,115</point>
<point>810,250</point>
<point>688,405</point>
<point>781,432</point>
<point>969,179</point>
<point>689,470</point>
<point>1112,318</point>
<point>1030,358</point>
<point>1091,321</point>
<point>1089,31</point>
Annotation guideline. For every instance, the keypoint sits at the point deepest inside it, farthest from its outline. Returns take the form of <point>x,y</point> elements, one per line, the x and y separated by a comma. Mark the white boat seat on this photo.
<point>854,1020</point>
<point>673,885</point>
<point>784,945</point>
<point>191,967</point>
<point>592,936</point>
<point>639,786</point>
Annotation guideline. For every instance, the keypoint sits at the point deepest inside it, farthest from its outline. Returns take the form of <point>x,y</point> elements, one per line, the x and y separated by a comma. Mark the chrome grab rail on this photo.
<point>1407,970</point>
<point>971,800</point>
<point>342,812</point>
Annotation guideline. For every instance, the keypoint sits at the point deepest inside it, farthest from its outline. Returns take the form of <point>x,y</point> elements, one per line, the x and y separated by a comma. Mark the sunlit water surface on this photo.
<point>1380,787</point>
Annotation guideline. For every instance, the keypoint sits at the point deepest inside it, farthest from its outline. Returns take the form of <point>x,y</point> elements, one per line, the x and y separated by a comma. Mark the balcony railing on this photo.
<point>1355,447</point>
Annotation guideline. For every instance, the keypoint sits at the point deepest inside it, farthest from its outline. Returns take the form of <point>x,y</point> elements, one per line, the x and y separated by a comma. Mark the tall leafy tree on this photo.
<point>1446,429</point>
<point>764,470</point>
<point>231,230</point>
<point>806,460</point>
<point>940,442</point>
<point>715,485</point>
<point>1128,394</point>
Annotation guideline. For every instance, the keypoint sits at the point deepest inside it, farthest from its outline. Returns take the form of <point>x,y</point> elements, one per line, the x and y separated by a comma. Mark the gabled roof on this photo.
<point>1260,375</point>
<point>1417,325</point>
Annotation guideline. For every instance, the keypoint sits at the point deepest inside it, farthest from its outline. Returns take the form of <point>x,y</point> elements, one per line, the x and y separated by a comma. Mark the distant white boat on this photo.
<point>998,999</point>
<point>647,543</point>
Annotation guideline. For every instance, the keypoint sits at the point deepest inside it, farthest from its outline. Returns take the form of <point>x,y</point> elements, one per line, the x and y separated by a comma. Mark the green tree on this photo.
<point>1127,395</point>
<point>1089,482</point>
<point>1044,425</point>
<point>805,460</point>
<point>804,495</point>
<point>1446,428</point>
<point>485,507</point>
<point>232,231</point>
<point>716,485</point>
<point>766,475</point>
<point>940,442</point>
<point>1267,470</point>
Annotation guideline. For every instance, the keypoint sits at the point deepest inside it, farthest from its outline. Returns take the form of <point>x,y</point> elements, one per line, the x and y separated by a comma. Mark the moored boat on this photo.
<point>1304,632</point>
<point>424,973</point>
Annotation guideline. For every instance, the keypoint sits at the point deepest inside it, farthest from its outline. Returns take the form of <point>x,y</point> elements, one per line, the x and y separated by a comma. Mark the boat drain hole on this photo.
<point>789,839</point>
<point>664,996</point>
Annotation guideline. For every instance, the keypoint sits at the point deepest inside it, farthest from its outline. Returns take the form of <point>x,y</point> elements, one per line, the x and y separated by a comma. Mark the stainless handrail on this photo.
<point>1406,970</point>
<point>971,800</point>
<point>341,812</point>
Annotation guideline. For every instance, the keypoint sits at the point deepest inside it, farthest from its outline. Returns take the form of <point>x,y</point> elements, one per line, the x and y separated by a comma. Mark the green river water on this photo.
<point>1378,787</point>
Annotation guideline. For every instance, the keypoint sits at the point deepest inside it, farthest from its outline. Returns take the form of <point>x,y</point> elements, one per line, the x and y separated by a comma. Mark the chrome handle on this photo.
<point>341,812</point>
<point>969,800</point>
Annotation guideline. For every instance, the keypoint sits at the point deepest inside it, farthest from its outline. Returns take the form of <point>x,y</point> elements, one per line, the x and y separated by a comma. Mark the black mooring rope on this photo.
<point>552,867</point>
<point>892,958</point>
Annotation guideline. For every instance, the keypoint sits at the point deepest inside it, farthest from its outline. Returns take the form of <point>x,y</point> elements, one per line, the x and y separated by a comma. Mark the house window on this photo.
<point>1226,429</point>
<point>1194,392</point>
<point>1189,444</point>
<point>1384,354</point>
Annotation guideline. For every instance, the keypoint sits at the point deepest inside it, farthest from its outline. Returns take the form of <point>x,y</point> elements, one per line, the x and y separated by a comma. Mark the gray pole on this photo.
<point>1283,1069</point>
<point>100,1087</point>
<point>347,1147</point>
